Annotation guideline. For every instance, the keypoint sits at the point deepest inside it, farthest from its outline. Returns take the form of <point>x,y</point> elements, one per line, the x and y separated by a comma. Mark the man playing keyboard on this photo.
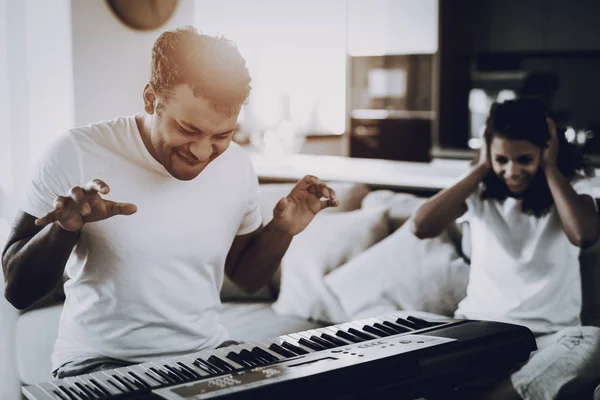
<point>144,275</point>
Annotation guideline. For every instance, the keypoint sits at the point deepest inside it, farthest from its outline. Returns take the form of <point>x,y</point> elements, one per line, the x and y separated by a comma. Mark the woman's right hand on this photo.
<point>484,154</point>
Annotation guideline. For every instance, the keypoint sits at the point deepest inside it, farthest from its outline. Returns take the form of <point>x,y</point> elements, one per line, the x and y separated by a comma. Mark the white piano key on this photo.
<point>35,392</point>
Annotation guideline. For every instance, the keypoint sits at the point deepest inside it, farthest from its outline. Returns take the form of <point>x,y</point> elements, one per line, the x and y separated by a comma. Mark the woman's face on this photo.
<point>515,162</point>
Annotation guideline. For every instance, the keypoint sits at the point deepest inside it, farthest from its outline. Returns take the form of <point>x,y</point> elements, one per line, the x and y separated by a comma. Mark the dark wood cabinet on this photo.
<point>572,25</point>
<point>507,25</point>
<point>532,26</point>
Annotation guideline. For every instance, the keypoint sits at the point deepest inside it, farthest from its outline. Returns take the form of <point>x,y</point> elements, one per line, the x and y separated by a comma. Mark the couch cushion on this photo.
<point>350,196</point>
<point>402,272</point>
<point>36,332</point>
<point>328,242</point>
<point>255,321</point>
<point>400,205</point>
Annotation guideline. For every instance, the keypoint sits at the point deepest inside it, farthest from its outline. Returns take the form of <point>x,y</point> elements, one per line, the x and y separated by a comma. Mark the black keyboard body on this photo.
<point>390,355</point>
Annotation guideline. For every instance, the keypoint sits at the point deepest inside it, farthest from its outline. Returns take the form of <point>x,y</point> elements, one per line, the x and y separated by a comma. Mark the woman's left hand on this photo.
<point>550,154</point>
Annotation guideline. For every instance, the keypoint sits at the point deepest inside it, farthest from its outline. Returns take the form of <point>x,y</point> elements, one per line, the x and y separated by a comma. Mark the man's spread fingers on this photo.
<point>97,185</point>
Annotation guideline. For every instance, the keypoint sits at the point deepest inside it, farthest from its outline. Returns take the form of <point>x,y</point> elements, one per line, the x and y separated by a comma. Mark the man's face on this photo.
<point>515,162</point>
<point>188,133</point>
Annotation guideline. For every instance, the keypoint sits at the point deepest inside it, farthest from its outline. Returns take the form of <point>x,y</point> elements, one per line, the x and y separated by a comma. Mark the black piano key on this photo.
<point>91,394</point>
<point>203,365</point>
<point>295,349</point>
<point>313,345</point>
<point>127,379</point>
<point>332,339</point>
<point>123,382</point>
<point>258,358</point>
<point>158,379</point>
<point>280,350</point>
<point>103,379</point>
<point>384,328</point>
<point>100,387</point>
<point>139,379</point>
<point>361,334</point>
<point>78,392</point>
<point>408,324</point>
<point>264,354</point>
<point>162,374</point>
<point>97,392</point>
<point>68,385</point>
<point>215,368</point>
<point>214,360</point>
<point>348,336</point>
<point>233,356</point>
<point>188,369</point>
<point>68,392</point>
<point>396,327</point>
<point>59,394</point>
<point>375,331</point>
<point>182,377</point>
<point>249,357</point>
<point>191,375</point>
<point>422,322</point>
<point>322,342</point>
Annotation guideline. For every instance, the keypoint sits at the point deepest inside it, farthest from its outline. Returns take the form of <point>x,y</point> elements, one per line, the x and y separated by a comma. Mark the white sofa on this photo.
<point>27,338</point>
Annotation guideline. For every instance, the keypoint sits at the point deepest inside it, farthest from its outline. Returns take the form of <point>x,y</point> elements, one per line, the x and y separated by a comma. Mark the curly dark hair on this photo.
<point>211,65</point>
<point>525,119</point>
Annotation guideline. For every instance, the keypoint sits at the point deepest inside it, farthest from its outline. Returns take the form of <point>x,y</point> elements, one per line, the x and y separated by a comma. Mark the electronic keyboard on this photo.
<point>406,357</point>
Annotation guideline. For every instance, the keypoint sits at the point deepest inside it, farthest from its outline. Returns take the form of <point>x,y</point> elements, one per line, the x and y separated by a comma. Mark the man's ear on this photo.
<point>150,98</point>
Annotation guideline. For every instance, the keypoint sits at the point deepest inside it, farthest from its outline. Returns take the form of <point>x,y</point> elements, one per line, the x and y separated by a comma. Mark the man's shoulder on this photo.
<point>102,131</point>
<point>236,155</point>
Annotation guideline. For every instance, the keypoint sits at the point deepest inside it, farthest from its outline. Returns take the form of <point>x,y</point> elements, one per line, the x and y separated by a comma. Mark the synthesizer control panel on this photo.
<point>300,367</point>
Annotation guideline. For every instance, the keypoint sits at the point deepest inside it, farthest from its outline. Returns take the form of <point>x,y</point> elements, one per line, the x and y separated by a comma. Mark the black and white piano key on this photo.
<point>103,380</point>
<point>185,367</point>
<point>258,354</point>
<point>61,390</point>
<point>75,385</point>
<point>97,386</point>
<point>94,391</point>
<point>287,338</point>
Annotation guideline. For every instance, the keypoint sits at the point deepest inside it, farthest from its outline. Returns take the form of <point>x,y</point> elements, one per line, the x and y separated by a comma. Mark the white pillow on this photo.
<point>400,205</point>
<point>350,196</point>
<point>402,272</point>
<point>329,241</point>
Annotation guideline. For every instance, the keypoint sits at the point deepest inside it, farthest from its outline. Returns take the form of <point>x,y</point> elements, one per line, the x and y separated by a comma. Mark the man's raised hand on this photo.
<point>82,205</point>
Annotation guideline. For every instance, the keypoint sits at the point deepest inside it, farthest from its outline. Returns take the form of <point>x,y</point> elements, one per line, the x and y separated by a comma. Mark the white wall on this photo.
<point>36,95</point>
<point>377,27</point>
<point>111,62</point>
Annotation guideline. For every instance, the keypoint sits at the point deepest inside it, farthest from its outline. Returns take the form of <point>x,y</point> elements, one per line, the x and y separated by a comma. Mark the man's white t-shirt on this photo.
<point>147,285</point>
<point>524,270</point>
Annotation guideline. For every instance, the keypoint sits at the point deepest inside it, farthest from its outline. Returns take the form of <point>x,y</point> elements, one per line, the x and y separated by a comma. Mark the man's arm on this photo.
<point>34,260</point>
<point>254,258</point>
<point>37,250</point>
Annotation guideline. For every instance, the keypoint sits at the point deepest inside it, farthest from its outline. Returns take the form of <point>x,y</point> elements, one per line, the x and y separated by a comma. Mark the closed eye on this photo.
<point>185,131</point>
<point>501,160</point>
<point>223,136</point>
<point>524,160</point>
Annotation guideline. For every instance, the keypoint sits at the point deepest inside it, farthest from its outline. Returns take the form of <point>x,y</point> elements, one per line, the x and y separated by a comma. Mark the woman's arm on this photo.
<point>577,212</point>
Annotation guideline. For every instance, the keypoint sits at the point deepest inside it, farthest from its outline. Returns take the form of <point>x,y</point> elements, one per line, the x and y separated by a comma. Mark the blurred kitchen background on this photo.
<point>336,83</point>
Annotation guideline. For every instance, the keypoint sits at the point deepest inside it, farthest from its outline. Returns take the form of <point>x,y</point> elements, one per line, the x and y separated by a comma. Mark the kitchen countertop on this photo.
<point>397,175</point>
